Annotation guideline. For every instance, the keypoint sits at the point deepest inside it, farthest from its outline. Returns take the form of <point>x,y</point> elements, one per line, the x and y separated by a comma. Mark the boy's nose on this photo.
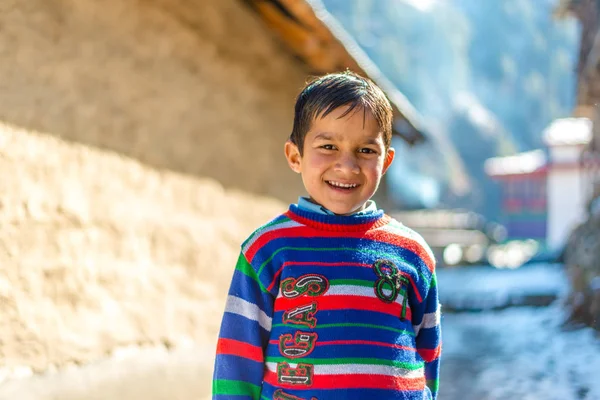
<point>348,164</point>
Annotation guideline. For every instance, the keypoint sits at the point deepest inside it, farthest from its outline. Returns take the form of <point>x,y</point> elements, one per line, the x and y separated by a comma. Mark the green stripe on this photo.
<point>350,325</point>
<point>246,268</point>
<point>235,388</point>
<point>261,229</point>
<point>353,282</point>
<point>433,385</point>
<point>363,361</point>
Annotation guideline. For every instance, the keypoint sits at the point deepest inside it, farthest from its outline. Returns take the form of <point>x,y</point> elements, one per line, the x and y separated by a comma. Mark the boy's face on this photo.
<point>343,160</point>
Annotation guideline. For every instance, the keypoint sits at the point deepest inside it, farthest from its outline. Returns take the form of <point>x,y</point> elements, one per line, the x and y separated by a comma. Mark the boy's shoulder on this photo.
<point>279,222</point>
<point>410,237</point>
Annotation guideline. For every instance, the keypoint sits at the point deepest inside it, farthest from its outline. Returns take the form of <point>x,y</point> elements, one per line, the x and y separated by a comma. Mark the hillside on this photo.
<point>488,76</point>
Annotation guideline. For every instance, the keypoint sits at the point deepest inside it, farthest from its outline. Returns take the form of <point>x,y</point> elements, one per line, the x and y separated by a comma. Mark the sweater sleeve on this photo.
<point>427,327</point>
<point>245,329</point>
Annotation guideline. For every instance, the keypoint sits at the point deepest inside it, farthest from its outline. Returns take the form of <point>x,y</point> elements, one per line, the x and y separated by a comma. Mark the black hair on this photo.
<point>324,94</point>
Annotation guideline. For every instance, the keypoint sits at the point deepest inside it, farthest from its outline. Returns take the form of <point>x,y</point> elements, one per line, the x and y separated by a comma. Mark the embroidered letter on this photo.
<point>388,273</point>
<point>301,375</point>
<point>390,280</point>
<point>281,395</point>
<point>302,345</point>
<point>309,285</point>
<point>302,315</point>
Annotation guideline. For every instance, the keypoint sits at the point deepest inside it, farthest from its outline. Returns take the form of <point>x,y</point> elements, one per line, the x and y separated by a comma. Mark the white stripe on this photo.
<point>238,306</point>
<point>344,369</point>
<point>430,320</point>
<point>355,290</point>
<point>282,225</point>
<point>352,290</point>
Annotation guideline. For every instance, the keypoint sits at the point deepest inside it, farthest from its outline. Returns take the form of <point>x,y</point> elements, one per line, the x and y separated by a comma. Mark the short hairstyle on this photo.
<point>324,94</point>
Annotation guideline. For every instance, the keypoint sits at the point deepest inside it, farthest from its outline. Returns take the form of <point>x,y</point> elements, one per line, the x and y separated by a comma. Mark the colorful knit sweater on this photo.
<point>330,307</point>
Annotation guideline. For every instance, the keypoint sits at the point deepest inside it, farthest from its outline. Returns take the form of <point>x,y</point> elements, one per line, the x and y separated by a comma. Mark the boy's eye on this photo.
<point>366,150</point>
<point>328,147</point>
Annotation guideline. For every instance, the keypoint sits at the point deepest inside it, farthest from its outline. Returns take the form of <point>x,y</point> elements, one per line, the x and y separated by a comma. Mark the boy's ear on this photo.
<point>292,154</point>
<point>389,157</point>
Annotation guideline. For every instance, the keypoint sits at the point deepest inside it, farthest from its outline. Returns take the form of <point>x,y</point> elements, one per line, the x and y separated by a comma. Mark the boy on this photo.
<point>333,299</point>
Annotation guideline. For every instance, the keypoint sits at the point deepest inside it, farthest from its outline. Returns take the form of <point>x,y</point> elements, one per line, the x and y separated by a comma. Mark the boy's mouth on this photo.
<point>342,186</point>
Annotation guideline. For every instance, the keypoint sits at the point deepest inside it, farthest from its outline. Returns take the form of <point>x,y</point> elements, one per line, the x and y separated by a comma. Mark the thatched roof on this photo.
<point>318,39</point>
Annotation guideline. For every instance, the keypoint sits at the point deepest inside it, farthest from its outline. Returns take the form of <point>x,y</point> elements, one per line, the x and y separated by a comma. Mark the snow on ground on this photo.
<point>486,287</point>
<point>518,353</point>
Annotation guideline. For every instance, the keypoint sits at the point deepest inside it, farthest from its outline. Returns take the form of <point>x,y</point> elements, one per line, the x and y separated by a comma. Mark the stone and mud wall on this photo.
<point>140,142</point>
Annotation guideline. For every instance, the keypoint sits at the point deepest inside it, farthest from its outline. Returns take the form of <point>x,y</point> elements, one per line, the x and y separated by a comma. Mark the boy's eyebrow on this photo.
<point>331,136</point>
<point>371,141</point>
<point>324,136</point>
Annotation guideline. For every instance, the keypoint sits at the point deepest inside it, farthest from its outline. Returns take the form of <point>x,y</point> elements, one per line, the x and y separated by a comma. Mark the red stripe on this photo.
<point>430,354</point>
<point>404,242</point>
<point>264,239</point>
<point>314,263</point>
<point>354,343</point>
<point>344,302</point>
<point>354,381</point>
<point>376,235</point>
<point>241,349</point>
<point>342,228</point>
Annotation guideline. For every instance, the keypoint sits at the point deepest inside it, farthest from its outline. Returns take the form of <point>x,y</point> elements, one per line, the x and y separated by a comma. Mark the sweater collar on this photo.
<point>305,204</point>
<point>355,222</point>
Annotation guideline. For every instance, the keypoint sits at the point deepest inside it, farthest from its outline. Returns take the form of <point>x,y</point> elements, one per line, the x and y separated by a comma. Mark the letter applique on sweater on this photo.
<point>308,285</point>
<point>302,374</point>
<point>302,315</point>
<point>389,284</point>
<point>281,395</point>
<point>301,345</point>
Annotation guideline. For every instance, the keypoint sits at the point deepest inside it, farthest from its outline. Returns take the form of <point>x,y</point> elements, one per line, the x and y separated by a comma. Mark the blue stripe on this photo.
<point>240,328</point>
<point>237,368</point>
<point>333,272</point>
<point>350,394</point>
<point>354,333</point>
<point>351,316</point>
<point>356,219</point>
<point>432,368</point>
<point>428,338</point>
<point>246,288</point>
<point>355,350</point>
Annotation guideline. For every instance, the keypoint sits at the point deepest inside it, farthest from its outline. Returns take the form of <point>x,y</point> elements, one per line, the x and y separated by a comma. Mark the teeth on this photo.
<point>343,185</point>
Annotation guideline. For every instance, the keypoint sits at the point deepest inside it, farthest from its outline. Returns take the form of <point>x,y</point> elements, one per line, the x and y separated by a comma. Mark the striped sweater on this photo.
<point>330,307</point>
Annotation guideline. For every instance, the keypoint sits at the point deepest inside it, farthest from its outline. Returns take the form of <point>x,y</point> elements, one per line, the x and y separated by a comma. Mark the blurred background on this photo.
<point>142,140</point>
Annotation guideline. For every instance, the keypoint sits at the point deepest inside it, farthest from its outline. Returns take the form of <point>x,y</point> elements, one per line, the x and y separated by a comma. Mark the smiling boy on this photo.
<point>333,299</point>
